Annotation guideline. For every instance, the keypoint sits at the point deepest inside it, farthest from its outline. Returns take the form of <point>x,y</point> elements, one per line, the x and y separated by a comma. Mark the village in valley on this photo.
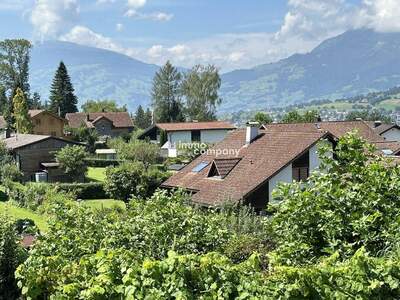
<point>190,193</point>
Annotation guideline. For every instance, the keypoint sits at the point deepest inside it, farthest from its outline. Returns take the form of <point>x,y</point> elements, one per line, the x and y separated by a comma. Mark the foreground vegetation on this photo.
<point>335,237</point>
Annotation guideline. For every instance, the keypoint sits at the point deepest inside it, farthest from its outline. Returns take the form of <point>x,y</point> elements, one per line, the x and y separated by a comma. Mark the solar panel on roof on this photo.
<point>200,167</point>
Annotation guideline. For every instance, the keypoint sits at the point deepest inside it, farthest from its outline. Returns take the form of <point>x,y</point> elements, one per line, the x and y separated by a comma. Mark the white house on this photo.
<point>174,136</point>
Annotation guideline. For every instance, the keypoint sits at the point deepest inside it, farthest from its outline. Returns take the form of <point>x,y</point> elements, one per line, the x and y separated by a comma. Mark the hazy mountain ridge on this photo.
<point>356,62</point>
<point>353,63</point>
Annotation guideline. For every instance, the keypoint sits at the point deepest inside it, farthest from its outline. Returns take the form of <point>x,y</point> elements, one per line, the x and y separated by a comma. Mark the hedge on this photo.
<point>89,190</point>
<point>102,163</point>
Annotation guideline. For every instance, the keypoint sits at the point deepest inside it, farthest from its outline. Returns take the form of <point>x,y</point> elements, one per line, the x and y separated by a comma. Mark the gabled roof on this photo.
<point>382,128</point>
<point>21,140</point>
<point>119,119</point>
<point>259,161</point>
<point>183,126</point>
<point>33,113</point>
<point>336,128</point>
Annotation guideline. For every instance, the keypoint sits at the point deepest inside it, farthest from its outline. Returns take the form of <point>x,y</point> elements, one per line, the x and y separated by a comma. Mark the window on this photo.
<point>196,136</point>
<point>37,121</point>
<point>300,174</point>
<point>300,167</point>
<point>200,167</point>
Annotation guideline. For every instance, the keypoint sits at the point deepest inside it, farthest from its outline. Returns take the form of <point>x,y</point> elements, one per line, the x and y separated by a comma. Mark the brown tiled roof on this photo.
<point>391,145</point>
<point>195,126</point>
<point>336,128</point>
<point>119,119</point>
<point>21,140</point>
<point>3,123</point>
<point>35,112</point>
<point>380,129</point>
<point>259,161</point>
<point>225,165</point>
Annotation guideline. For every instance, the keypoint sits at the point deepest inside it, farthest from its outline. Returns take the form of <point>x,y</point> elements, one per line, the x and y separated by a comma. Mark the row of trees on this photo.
<point>14,84</point>
<point>192,95</point>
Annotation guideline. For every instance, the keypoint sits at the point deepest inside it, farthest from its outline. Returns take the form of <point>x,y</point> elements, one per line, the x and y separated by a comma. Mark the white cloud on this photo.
<point>135,4</point>
<point>50,17</point>
<point>155,16</point>
<point>380,15</point>
<point>119,27</point>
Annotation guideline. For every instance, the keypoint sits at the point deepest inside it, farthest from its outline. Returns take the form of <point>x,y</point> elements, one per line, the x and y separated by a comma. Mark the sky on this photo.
<point>231,34</point>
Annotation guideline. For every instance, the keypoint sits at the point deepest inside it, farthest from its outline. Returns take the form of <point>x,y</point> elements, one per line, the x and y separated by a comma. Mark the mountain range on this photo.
<point>356,62</point>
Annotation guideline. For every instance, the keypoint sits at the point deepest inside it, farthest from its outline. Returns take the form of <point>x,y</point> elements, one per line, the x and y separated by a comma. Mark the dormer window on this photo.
<point>220,168</point>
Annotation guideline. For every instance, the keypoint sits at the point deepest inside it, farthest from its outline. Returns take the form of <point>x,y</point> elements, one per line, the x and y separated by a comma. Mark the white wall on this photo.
<point>314,159</point>
<point>285,175</point>
<point>392,134</point>
<point>213,136</point>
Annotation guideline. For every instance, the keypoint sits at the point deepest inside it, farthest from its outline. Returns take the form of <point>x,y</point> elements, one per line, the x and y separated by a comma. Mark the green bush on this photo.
<point>88,190</point>
<point>11,255</point>
<point>102,163</point>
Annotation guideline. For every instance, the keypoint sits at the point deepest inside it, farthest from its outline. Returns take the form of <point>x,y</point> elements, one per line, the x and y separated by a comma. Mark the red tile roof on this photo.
<point>119,119</point>
<point>183,126</point>
<point>35,112</point>
<point>259,161</point>
<point>336,128</point>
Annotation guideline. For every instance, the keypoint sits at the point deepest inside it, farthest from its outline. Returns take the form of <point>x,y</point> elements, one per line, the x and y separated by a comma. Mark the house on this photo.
<point>390,132</point>
<point>107,124</point>
<point>247,165</point>
<point>336,128</point>
<point>34,153</point>
<point>177,134</point>
<point>47,123</point>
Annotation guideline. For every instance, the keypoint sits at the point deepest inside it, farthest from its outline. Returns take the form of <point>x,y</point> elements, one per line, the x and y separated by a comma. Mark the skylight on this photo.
<point>387,151</point>
<point>200,167</point>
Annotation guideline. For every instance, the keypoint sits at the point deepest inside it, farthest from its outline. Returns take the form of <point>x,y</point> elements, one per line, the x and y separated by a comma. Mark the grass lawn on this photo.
<point>104,203</point>
<point>96,174</point>
<point>22,213</point>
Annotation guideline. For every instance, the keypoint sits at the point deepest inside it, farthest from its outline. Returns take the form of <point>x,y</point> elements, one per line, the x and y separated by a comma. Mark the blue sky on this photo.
<point>229,33</point>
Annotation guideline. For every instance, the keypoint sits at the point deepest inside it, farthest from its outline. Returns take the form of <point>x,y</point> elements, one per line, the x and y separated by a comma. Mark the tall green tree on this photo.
<point>23,122</point>
<point>142,118</point>
<point>200,89</point>
<point>62,97</point>
<point>92,106</point>
<point>14,65</point>
<point>36,102</point>
<point>3,100</point>
<point>166,96</point>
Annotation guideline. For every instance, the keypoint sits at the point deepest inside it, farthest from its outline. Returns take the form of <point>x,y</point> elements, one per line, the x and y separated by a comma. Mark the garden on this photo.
<point>333,237</point>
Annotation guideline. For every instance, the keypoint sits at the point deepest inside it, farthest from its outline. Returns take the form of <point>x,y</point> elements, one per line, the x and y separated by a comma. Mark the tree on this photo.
<point>3,101</point>
<point>72,160</point>
<point>368,115</point>
<point>23,123</point>
<point>14,65</point>
<point>92,106</point>
<point>262,118</point>
<point>200,89</point>
<point>85,135</point>
<point>36,103</point>
<point>62,97</point>
<point>295,117</point>
<point>166,97</point>
<point>142,118</point>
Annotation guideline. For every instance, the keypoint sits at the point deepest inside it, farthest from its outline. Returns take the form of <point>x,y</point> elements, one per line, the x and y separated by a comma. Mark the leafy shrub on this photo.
<point>88,190</point>
<point>356,204</point>
<point>25,226</point>
<point>11,255</point>
<point>132,179</point>
<point>102,163</point>
<point>72,160</point>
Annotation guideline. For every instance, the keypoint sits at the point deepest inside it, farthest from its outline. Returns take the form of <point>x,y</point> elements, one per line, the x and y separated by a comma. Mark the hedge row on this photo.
<point>89,190</point>
<point>102,163</point>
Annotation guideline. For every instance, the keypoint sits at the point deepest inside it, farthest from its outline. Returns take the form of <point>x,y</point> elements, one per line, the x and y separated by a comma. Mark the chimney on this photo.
<point>377,123</point>
<point>7,133</point>
<point>251,131</point>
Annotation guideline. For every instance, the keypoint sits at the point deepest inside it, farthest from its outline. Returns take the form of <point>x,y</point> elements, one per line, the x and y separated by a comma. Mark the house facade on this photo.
<point>177,134</point>
<point>106,124</point>
<point>34,153</point>
<point>264,159</point>
<point>47,123</point>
